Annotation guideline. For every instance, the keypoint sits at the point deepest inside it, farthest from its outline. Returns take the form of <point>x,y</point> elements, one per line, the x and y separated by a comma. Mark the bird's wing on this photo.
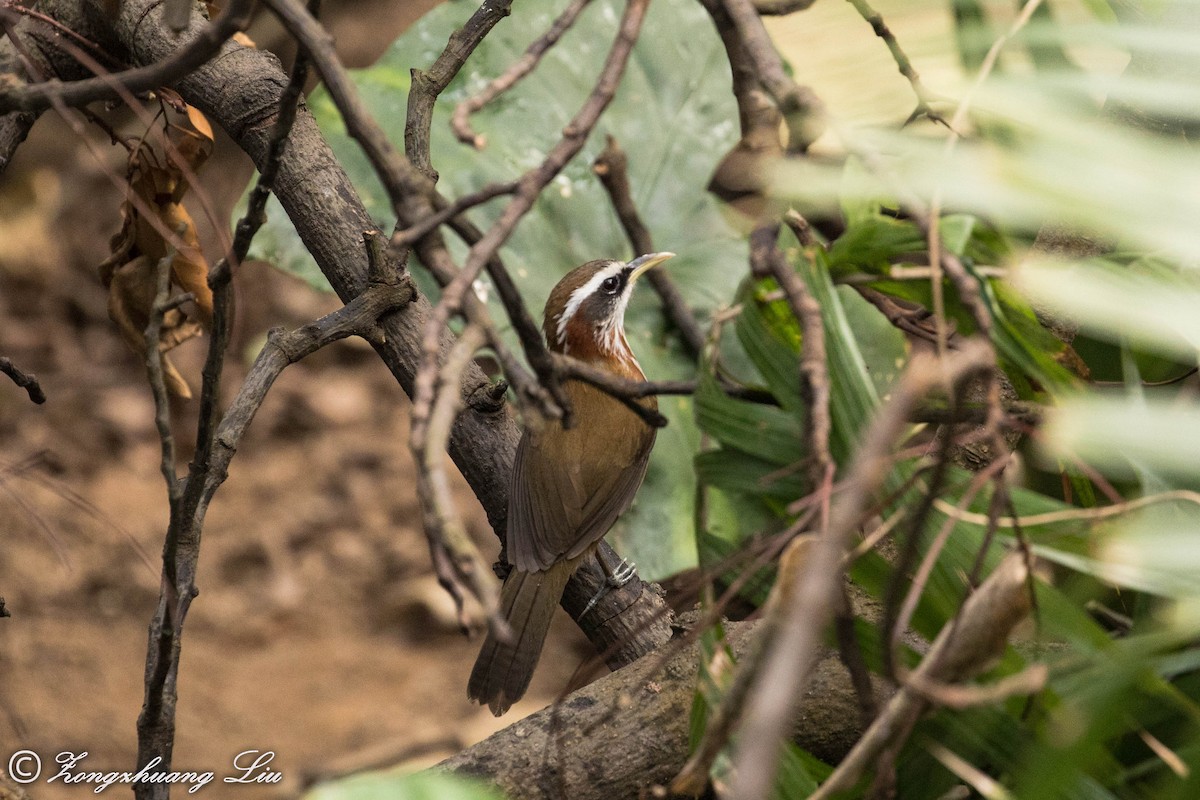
<point>560,503</point>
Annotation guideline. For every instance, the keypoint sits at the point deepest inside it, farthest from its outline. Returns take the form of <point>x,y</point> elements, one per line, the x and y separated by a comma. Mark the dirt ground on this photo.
<point>319,634</point>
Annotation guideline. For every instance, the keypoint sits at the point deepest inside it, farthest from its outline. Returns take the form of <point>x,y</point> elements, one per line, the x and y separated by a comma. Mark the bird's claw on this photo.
<point>622,574</point>
<point>614,580</point>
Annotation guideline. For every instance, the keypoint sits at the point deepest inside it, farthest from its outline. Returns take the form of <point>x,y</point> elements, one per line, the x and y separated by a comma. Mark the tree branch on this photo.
<point>612,168</point>
<point>428,84</point>
<point>643,711</point>
<point>37,97</point>
<point>460,120</point>
<point>26,380</point>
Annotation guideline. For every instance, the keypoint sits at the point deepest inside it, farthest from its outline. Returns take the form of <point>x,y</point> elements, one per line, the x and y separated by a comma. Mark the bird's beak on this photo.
<point>643,263</point>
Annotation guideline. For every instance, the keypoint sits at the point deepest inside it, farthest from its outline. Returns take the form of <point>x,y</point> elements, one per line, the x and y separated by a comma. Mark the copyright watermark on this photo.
<point>248,767</point>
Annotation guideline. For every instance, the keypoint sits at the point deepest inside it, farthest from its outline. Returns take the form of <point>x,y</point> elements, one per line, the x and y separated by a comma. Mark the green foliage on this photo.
<point>419,786</point>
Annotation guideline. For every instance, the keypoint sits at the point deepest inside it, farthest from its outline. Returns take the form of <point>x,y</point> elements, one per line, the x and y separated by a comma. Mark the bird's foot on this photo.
<point>622,575</point>
<point>613,580</point>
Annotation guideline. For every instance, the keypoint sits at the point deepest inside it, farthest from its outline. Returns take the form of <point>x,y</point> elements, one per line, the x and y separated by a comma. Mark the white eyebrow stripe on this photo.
<point>579,295</point>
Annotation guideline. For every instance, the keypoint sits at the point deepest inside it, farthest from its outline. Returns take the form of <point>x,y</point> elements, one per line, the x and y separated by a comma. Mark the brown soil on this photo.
<point>319,633</point>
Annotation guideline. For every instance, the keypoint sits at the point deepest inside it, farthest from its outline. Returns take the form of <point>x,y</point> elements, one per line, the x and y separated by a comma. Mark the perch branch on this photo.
<point>646,743</point>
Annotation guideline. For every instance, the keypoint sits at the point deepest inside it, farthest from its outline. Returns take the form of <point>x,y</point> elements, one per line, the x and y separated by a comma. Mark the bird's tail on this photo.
<point>527,601</point>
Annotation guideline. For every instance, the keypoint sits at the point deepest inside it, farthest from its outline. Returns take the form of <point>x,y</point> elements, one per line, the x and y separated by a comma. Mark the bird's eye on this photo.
<point>611,285</point>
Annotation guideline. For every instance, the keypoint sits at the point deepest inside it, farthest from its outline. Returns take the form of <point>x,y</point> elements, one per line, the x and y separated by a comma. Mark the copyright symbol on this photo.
<point>25,766</point>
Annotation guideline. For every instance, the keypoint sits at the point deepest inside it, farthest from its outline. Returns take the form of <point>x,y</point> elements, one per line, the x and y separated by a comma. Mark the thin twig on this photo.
<point>929,221</point>
<point>456,560</point>
<point>26,380</point>
<point>158,385</point>
<point>460,121</point>
<point>877,23</point>
<point>612,168</point>
<point>766,259</point>
<point>623,389</point>
<point>959,651</point>
<point>531,184</point>
<point>773,700</point>
<point>921,578</point>
<point>780,8</point>
<point>190,498</point>
<point>413,233</point>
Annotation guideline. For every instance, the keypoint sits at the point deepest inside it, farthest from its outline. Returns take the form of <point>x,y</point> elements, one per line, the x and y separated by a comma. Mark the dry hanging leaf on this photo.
<point>156,186</point>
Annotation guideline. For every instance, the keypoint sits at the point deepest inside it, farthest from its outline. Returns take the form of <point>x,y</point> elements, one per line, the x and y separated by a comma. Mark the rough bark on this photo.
<point>628,732</point>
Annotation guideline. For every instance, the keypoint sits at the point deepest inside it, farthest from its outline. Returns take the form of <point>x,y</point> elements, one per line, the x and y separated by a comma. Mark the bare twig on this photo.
<point>801,108</point>
<point>766,259</point>
<point>531,183</point>
<point>622,389</point>
<point>158,386</point>
<point>612,167</point>
<point>780,8</point>
<point>190,498</point>
<point>877,23</point>
<point>26,380</point>
<point>772,702</point>
<point>460,121</point>
<point>929,221</point>
<point>413,233</point>
<point>456,560</point>
<point>959,652</point>
<point>428,84</point>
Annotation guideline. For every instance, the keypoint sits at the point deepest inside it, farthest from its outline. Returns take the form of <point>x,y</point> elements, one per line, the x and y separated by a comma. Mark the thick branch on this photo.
<point>643,714</point>
<point>204,45</point>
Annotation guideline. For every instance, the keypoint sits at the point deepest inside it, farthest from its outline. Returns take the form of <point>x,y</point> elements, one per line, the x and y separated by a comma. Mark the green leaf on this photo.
<point>419,786</point>
<point>1117,434</point>
<point>1112,301</point>
<point>758,430</point>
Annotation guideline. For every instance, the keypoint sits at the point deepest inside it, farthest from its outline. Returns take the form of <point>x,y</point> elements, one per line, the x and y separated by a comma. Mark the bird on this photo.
<point>569,485</point>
